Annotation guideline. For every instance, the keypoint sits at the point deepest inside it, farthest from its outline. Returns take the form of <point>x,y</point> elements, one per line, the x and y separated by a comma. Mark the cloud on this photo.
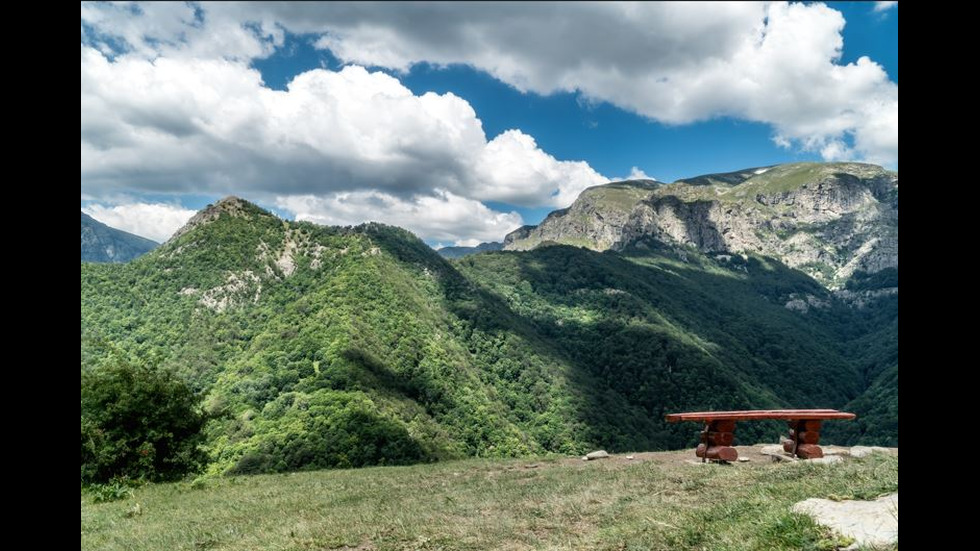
<point>170,102</point>
<point>513,169</point>
<point>172,125</point>
<point>443,217</point>
<point>637,173</point>
<point>677,63</point>
<point>175,29</point>
<point>884,6</point>
<point>156,221</point>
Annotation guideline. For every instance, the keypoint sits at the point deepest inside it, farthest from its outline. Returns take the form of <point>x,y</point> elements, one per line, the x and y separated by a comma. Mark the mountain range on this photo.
<point>828,220</point>
<point>100,243</point>
<point>331,347</point>
<point>460,252</point>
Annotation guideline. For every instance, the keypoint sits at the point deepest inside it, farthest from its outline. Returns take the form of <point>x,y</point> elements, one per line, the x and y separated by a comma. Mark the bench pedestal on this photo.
<point>716,441</point>
<point>803,439</point>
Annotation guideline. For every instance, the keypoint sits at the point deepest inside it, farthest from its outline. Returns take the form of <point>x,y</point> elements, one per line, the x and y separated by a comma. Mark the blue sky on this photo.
<point>462,122</point>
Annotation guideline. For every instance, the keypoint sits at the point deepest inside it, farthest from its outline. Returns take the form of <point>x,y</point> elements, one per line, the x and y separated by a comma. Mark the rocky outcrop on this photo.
<point>871,524</point>
<point>827,219</point>
<point>595,220</point>
<point>231,205</point>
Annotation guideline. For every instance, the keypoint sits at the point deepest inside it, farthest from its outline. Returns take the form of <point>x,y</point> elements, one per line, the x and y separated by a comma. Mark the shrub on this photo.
<point>140,423</point>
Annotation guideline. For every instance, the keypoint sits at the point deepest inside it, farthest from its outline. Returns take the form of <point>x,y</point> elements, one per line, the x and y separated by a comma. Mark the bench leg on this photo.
<point>803,439</point>
<point>716,441</point>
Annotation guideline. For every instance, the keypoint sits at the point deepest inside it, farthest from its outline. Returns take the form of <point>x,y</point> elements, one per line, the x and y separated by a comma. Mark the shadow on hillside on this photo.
<point>675,336</point>
<point>640,335</point>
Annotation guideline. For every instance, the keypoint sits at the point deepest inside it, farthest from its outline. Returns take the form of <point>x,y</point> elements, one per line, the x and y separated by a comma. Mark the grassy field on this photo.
<point>658,501</point>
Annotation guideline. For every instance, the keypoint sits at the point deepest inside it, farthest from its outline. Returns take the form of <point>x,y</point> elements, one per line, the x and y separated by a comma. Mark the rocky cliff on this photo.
<point>829,220</point>
<point>595,220</point>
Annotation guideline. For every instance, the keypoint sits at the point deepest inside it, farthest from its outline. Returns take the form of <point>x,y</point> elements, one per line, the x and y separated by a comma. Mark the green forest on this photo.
<point>311,347</point>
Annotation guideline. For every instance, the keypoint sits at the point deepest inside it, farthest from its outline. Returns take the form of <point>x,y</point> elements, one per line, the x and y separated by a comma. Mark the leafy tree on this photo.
<point>138,422</point>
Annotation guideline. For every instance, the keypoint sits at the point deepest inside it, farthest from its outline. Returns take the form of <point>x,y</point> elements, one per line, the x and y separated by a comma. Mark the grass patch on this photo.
<point>661,503</point>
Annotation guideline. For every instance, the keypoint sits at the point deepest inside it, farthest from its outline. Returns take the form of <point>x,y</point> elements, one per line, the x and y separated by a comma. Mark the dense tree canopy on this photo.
<point>333,347</point>
<point>138,423</point>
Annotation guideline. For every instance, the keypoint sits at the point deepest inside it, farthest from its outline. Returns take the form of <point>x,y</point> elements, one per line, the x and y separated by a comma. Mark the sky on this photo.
<point>463,121</point>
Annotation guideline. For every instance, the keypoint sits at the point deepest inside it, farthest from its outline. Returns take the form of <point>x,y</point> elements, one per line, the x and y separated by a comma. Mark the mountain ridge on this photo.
<point>103,243</point>
<point>329,347</point>
<point>830,220</point>
<point>459,252</point>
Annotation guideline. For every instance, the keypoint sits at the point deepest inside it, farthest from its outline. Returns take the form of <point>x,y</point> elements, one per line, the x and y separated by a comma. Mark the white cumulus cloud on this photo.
<point>173,124</point>
<point>156,221</point>
<point>637,173</point>
<point>443,217</point>
<point>675,62</point>
<point>171,103</point>
<point>884,6</point>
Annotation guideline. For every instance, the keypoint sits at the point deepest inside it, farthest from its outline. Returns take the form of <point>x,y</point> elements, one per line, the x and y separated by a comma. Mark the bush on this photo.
<point>138,423</point>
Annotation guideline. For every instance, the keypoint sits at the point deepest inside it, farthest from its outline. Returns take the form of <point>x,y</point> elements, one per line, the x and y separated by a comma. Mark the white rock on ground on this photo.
<point>834,450</point>
<point>776,453</point>
<point>871,523</point>
<point>598,454</point>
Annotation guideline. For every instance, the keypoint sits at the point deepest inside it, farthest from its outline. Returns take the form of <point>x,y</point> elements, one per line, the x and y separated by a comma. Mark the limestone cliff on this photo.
<point>827,219</point>
<point>595,220</point>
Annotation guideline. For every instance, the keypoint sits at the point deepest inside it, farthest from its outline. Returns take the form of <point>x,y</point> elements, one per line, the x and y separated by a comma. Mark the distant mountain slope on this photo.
<point>100,243</point>
<point>328,347</point>
<point>828,219</point>
<point>460,252</point>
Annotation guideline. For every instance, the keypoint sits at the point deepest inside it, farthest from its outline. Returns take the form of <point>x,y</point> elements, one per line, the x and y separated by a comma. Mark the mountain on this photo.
<point>333,347</point>
<point>460,252</point>
<point>100,243</point>
<point>830,220</point>
<point>594,221</point>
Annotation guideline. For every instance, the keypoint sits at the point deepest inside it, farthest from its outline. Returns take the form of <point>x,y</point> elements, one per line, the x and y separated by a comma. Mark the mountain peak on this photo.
<point>230,205</point>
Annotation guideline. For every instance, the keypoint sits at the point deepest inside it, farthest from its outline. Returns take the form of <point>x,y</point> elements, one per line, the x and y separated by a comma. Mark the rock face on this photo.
<point>595,220</point>
<point>275,255</point>
<point>101,243</point>
<point>827,219</point>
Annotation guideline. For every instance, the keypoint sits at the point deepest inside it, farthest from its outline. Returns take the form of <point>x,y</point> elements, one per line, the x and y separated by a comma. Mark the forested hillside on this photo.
<point>330,347</point>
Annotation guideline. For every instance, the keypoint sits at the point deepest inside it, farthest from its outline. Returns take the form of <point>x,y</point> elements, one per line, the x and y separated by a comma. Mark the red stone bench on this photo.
<point>719,428</point>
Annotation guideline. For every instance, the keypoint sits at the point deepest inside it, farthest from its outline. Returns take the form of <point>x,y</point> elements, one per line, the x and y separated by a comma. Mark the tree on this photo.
<point>138,422</point>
